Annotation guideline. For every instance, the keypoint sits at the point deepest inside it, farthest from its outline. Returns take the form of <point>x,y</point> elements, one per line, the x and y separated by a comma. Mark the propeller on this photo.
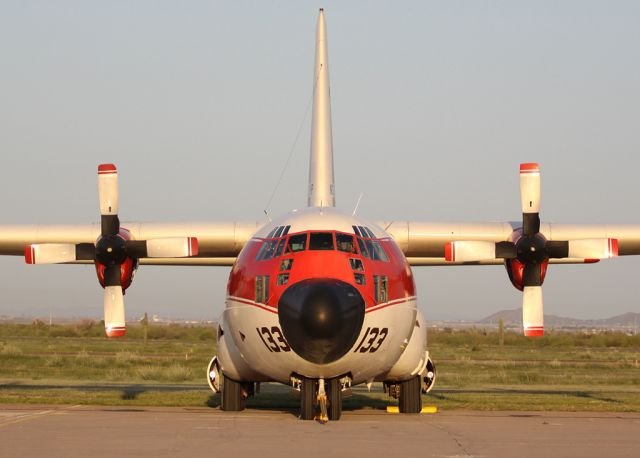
<point>527,254</point>
<point>111,251</point>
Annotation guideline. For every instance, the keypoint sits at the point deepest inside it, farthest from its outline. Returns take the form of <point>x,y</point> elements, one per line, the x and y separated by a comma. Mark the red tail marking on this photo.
<point>613,247</point>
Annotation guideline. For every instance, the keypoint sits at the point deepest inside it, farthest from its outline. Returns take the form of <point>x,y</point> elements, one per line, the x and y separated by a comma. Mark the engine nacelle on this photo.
<point>127,271</point>
<point>515,269</point>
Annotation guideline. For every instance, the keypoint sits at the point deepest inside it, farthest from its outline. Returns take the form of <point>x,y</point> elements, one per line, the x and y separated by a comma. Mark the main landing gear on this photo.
<point>321,399</point>
<point>408,393</point>
<point>234,394</point>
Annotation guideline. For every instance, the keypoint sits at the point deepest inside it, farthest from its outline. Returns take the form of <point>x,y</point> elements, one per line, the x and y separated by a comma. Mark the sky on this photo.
<point>434,106</point>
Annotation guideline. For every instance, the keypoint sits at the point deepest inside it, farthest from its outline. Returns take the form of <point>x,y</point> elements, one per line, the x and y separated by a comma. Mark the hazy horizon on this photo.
<point>434,106</point>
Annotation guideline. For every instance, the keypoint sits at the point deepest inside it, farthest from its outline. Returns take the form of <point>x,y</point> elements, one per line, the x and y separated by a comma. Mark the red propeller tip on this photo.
<point>116,331</point>
<point>591,261</point>
<point>530,167</point>
<point>29,254</point>
<point>193,246</point>
<point>104,169</point>
<point>449,252</point>
<point>534,331</point>
<point>613,248</point>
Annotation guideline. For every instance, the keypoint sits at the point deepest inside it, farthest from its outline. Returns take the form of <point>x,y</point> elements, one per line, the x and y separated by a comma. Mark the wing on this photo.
<point>424,243</point>
<point>218,243</point>
<point>525,248</point>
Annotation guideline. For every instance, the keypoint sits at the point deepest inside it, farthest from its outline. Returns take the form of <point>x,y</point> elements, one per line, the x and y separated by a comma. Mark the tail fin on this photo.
<point>321,184</point>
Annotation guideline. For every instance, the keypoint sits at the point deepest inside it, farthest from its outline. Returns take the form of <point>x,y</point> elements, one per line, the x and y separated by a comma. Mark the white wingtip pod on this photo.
<point>321,182</point>
<point>114,321</point>
<point>108,189</point>
<point>530,188</point>
<point>532,311</point>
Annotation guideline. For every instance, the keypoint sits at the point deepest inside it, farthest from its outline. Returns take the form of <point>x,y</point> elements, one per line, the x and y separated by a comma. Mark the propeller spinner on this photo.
<point>112,251</point>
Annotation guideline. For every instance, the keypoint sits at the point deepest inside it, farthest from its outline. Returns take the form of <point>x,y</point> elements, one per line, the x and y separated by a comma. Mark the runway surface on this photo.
<point>81,431</point>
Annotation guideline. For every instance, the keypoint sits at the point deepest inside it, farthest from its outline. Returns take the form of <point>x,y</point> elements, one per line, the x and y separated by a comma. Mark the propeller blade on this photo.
<point>50,253</point>
<point>469,251</point>
<point>108,197</point>
<point>112,276</point>
<point>114,321</point>
<point>170,247</point>
<point>108,189</point>
<point>557,249</point>
<point>532,275</point>
<point>530,197</point>
<point>593,248</point>
<point>532,311</point>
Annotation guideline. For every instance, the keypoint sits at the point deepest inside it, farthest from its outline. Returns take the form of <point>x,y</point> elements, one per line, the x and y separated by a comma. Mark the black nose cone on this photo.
<point>321,318</point>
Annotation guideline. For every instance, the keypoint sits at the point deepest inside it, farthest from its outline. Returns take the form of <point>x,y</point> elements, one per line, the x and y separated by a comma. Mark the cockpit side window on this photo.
<point>345,243</point>
<point>363,248</point>
<point>321,241</point>
<point>380,255</point>
<point>297,242</point>
<point>280,248</point>
<point>278,231</point>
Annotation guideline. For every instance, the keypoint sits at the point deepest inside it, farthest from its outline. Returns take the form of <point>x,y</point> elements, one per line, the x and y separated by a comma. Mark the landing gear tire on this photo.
<point>307,399</point>
<point>410,396</point>
<point>335,399</point>
<point>232,396</point>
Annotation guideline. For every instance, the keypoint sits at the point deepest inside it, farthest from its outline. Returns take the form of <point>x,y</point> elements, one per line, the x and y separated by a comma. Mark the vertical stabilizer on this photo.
<point>321,186</point>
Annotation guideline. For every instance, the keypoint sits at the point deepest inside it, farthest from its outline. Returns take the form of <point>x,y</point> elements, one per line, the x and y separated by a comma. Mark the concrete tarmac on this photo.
<point>81,431</point>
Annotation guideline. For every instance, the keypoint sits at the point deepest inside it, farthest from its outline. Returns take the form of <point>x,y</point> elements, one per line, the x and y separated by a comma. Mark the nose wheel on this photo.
<point>324,396</point>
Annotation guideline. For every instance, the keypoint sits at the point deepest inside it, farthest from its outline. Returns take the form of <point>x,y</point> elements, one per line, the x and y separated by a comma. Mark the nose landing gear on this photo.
<point>323,395</point>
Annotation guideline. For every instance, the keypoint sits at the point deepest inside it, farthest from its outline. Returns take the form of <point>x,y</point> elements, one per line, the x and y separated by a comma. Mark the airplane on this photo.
<point>320,299</point>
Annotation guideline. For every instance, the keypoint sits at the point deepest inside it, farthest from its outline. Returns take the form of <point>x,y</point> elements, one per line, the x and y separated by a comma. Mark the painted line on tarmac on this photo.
<point>34,416</point>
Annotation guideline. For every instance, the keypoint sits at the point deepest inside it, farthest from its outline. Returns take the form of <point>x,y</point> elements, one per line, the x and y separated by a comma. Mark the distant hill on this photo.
<point>514,318</point>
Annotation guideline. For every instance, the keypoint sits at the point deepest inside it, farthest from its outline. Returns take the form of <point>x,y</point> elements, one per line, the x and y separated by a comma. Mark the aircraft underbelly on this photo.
<point>256,333</point>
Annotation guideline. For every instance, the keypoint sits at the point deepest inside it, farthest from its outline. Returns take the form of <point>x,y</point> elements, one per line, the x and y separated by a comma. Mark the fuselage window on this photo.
<point>359,279</point>
<point>363,249</point>
<point>380,285</point>
<point>280,248</point>
<point>380,255</point>
<point>278,232</point>
<point>271,247</point>
<point>286,264</point>
<point>270,234</point>
<point>356,230</point>
<point>356,264</point>
<point>261,251</point>
<point>297,242</point>
<point>262,288</point>
<point>321,241</point>
<point>283,279</point>
<point>345,243</point>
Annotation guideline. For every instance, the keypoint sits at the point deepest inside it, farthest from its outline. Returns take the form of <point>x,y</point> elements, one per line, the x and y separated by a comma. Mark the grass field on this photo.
<point>75,364</point>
